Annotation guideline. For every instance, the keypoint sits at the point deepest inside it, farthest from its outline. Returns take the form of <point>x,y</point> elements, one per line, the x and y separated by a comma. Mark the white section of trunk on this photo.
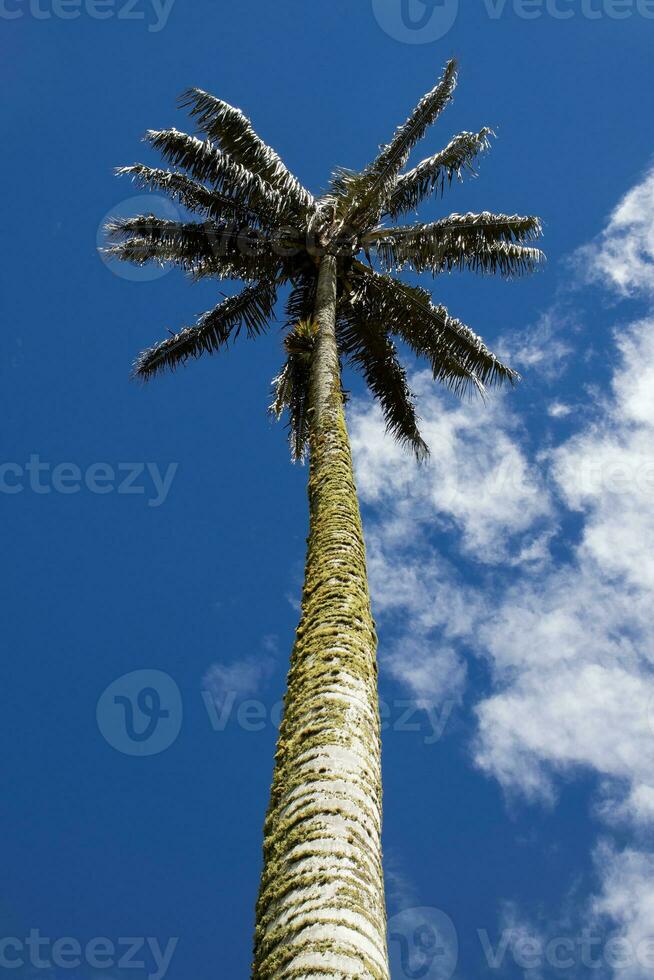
<point>321,907</point>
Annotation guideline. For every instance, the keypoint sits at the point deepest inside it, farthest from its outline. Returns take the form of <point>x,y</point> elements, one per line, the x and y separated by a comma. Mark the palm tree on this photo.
<point>321,909</point>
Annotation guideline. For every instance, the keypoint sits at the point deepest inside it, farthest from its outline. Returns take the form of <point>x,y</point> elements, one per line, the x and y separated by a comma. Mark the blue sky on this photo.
<point>512,579</point>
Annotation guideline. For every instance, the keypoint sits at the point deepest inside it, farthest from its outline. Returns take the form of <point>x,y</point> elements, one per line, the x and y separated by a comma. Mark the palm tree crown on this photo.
<point>258,224</point>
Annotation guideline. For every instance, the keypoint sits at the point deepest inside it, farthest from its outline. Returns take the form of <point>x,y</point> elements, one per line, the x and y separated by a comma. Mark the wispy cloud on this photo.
<point>543,347</point>
<point>578,640</point>
<point>622,256</point>
<point>627,897</point>
<point>559,410</point>
<point>241,678</point>
<point>478,482</point>
<point>401,891</point>
<point>479,487</point>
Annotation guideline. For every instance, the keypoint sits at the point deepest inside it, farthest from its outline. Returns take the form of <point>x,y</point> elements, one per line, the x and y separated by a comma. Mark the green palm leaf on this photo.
<point>195,196</point>
<point>251,309</point>
<point>480,242</point>
<point>230,128</point>
<point>459,359</point>
<point>370,350</point>
<point>362,197</point>
<point>301,300</point>
<point>202,249</point>
<point>206,163</point>
<point>433,173</point>
<point>292,386</point>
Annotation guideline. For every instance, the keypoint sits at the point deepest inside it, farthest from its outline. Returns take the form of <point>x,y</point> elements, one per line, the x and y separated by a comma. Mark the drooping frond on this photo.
<point>251,309</point>
<point>436,171</point>
<point>202,249</point>
<point>478,242</point>
<point>207,163</point>
<point>233,131</point>
<point>370,350</point>
<point>362,198</point>
<point>291,386</point>
<point>195,196</point>
<point>301,300</point>
<point>459,359</point>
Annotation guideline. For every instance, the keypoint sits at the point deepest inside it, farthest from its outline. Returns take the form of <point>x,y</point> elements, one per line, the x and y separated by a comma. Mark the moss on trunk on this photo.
<point>321,909</point>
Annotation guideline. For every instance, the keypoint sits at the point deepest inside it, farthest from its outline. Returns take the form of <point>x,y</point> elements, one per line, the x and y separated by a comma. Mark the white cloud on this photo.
<point>627,898</point>
<point>433,674</point>
<point>525,941</point>
<point>570,645</point>
<point>429,611</point>
<point>567,716</point>
<point>240,678</point>
<point>540,348</point>
<point>401,891</point>
<point>637,805</point>
<point>623,255</point>
<point>477,481</point>
<point>559,410</point>
<point>573,649</point>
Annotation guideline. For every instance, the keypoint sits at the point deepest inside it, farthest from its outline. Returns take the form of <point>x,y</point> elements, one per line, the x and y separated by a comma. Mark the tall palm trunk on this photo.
<point>321,911</point>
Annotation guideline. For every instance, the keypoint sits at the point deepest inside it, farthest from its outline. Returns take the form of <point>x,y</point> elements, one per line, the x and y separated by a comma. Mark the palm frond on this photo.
<point>370,350</point>
<point>458,358</point>
<point>200,158</point>
<point>200,248</point>
<point>194,196</point>
<point>230,128</point>
<point>207,163</point>
<point>251,309</point>
<point>436,171</point>
<point>363,196</point>
<point>484,242</point>
<point>291,386</point>
<point>301,299</point>
<point>146,238</point>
